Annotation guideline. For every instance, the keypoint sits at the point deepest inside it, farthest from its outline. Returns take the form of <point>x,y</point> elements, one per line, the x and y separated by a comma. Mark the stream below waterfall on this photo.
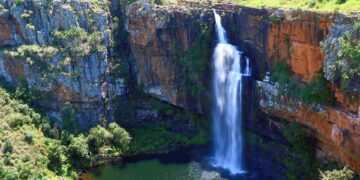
<point>182,164</point>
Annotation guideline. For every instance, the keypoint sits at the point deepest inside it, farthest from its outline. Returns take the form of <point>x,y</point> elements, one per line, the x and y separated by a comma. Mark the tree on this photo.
<point>78,147</point>
<point>55,157</point>
<point>97,137</point>
<point>68,114</point>
<point>121,138</point>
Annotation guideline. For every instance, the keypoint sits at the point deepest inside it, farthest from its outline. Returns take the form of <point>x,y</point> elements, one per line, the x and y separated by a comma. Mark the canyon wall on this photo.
<point>59,49</point>
<point>267,36</point>
<point>63,50</point>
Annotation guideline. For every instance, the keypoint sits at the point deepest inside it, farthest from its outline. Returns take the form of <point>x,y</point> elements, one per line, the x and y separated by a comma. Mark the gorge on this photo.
<point>86,83</point>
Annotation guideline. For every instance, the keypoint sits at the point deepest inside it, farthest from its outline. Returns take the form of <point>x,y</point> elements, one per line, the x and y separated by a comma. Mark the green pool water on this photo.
<point>149,170</point>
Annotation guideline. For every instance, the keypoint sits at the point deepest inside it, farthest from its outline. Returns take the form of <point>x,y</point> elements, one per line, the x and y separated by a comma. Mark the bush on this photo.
<point>78,147</point>
<point>340,1</point>
<point>11,175</point>
<point>2,171</point>
<point>69,123</point>
<point>26,158</point>
<point>8,159</point>
<point>95,42</point>
<point>281,73</point>
<point>8,147</point>
<point>78,42</point>
<point>25,170</point>
<point>121,138</point>
<point>348,61</point>
<point>28,137</point>
<point>316,91</point>
<point>343,174</point>
<point>302,161</point>
<point>98,136</point>
<point>55,157</point>
<point>33,53</point>
<point>16,120</point>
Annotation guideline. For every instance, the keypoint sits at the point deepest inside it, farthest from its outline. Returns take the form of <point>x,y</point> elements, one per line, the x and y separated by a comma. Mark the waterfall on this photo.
<point>227,107</point>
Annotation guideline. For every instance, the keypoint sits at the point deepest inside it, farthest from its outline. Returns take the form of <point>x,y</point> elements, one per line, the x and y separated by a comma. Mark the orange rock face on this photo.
<point>9,32</point>
<point>15,69</point>
<point>337,132</point>
<point>296,40</point>
<point>349,101</point>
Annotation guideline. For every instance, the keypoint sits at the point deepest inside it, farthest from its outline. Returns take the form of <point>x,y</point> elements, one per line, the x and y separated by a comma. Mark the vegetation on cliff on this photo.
<point>193,62</point>
<point>165,127</point>
<point>342,174</point>
<point>301,161</point>
<point>33,147</point>
<point>315,91</point>
<point>323,5</point>
<point>347,65</point>
<point>317,5</point>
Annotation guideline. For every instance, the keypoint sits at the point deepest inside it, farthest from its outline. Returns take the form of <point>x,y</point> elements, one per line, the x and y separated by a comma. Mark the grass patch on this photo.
<point>316,5</point>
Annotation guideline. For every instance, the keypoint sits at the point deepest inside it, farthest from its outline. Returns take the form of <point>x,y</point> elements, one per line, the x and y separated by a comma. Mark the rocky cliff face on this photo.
<point>341,60</point>
<point>267,37</point>
<point>63,50</point>
<point>59,48</point>
<point>336,130</point>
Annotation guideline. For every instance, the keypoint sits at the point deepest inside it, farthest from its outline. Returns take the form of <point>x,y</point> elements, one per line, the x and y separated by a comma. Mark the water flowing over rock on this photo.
<point>227,112</point>
<point>161,39</point>
<point>267,36</point>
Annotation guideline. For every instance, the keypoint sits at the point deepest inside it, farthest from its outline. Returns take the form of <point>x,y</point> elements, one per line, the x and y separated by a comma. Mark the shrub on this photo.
<point>47,130</point>
<point>8,159</point>
<point>302,161</point>
<point>121,138</point>
<point>78,42</point>
<point>2,171</point>
<point>340,1</point>
<point>69,123</point>
<point>78,147</point>
<point>25,170</point>
<point>312,3</point>
<point>11,175</point>
<point>343,174</point>
<point>281,73</point>
<point>26,158</point>
<point>28,137</point>
<point>95,42</point>
<point>348,62</point>
<point>98,136</point>
<point>55,157</point>
<point>33,53</point>
<point>8,147</point>
<point>316,91</point>
<point>19,2</point>
<point>16,120</point>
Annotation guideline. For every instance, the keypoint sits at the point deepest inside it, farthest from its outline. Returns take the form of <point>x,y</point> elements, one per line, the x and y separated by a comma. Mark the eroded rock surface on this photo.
<point>79,79</point>
<point>337,131</point>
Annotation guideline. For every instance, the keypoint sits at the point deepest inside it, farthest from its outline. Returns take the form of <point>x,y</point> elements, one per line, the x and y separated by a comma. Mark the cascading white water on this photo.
<point>227,110</point>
